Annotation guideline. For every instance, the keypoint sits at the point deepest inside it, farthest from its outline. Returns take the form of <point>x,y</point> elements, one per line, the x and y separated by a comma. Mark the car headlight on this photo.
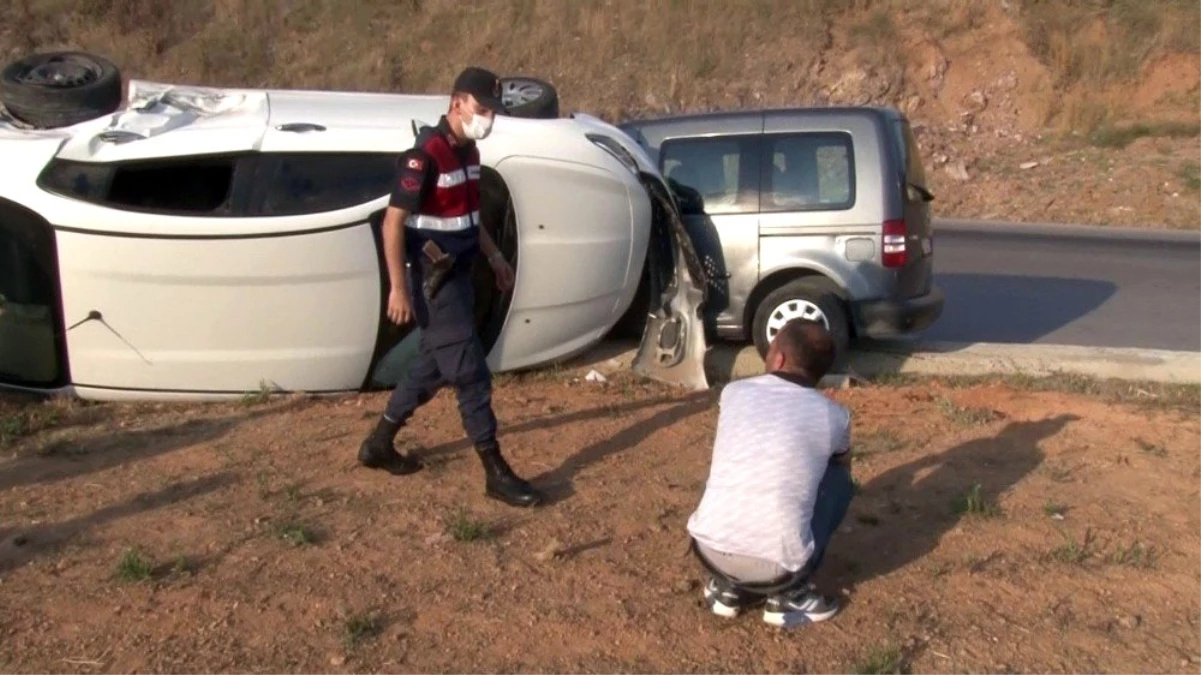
<point>614,148</point>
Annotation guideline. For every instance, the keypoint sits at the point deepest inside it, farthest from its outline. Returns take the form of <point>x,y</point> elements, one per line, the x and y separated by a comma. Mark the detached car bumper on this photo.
<point>879,319</point>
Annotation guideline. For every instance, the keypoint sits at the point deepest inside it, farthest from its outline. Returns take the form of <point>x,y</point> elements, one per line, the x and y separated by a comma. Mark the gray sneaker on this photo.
<point>725,601</point>
<point>799,608</point>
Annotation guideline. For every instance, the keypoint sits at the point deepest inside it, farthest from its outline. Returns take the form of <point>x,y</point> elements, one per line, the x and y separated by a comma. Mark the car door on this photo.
<point>723,171</point>
<point>221,274</point>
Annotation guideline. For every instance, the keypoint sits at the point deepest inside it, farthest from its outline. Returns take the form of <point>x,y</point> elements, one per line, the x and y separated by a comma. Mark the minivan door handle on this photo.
<point>300,127</point>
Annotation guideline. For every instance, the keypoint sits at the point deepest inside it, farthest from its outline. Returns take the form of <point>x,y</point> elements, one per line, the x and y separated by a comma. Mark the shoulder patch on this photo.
<point>414,163</point>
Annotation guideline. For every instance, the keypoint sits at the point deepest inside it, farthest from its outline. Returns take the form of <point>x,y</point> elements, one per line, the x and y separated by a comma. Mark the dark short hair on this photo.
<point>807,346</point>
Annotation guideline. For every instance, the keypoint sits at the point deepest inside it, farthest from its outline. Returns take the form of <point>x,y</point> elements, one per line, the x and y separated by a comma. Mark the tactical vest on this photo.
<point>453,205</point>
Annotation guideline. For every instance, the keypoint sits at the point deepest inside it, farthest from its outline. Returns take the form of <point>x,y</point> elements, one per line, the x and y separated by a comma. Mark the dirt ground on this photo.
<point>242,537</point>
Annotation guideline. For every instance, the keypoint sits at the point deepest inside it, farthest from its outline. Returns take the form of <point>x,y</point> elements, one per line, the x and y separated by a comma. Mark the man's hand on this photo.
<point>503,271</point>
<point>399,309</point>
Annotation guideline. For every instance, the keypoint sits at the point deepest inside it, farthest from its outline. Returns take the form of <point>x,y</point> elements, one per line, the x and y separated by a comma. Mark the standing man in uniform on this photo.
<point>432,224</point>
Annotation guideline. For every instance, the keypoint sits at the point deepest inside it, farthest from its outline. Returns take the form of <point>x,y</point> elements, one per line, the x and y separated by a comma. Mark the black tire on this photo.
<point>59,89</point>
<point>819,291</point>
<point>529,97</point>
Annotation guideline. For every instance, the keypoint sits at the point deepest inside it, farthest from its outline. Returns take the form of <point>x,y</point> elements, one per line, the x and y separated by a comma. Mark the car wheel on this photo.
<point>813,298</point>
<point>59,89</point>
<point>529,97</point>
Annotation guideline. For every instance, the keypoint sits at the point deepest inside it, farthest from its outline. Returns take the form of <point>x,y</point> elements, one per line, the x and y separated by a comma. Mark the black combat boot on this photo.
<point>500,481</point>
<point>378,451</point>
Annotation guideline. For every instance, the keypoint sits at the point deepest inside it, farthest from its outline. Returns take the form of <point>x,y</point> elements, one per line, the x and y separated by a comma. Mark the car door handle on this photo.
<point>118,136</point>
<point>300,127</point>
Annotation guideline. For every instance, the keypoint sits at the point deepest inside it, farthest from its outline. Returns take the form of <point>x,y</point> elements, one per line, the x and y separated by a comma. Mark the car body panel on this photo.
<point>210,315</point>
<point>186,305</point>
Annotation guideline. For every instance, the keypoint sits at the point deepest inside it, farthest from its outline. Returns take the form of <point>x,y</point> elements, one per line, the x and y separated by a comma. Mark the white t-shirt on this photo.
<point>774,442</point>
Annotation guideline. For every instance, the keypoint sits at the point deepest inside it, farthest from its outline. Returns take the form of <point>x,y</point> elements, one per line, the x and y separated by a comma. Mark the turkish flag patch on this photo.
<point>415,163</point>
<point>410,184</point>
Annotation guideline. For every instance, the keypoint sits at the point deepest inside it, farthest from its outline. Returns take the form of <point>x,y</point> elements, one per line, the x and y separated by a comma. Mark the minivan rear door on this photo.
<point>916,278</point>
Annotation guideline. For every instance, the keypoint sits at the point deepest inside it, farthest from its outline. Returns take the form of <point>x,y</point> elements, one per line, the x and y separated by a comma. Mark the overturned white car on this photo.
<point>177,242</point>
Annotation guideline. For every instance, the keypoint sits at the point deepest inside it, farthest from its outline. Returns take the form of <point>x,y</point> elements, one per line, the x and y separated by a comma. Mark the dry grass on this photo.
<point>613,58</point>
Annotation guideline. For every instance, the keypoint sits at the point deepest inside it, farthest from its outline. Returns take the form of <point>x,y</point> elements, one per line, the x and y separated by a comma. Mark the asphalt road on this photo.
<point>1096,287</point>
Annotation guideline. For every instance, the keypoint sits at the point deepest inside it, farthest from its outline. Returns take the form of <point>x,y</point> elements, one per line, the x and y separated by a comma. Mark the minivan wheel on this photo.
<point>812,298</point>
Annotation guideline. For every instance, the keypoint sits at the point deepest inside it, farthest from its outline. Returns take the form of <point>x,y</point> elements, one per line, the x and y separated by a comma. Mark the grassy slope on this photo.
<point>1080,66</point>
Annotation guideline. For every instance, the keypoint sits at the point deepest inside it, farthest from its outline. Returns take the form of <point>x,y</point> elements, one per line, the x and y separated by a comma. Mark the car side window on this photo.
<point>808,172</point>
<point>314,183</point>
<point>193,186</point>
<point>722,170</point>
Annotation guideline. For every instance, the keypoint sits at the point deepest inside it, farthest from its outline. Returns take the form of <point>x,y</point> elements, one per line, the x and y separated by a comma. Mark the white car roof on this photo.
<point>160,120</point>
<point>172,120</point>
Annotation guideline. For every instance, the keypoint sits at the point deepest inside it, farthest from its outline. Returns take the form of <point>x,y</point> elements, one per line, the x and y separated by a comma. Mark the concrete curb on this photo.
<point>1136,234</point>
<point>726,362</point>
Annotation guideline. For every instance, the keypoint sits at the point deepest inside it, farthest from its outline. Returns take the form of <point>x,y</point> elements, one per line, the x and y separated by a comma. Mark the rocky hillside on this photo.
<point>1034,110</point>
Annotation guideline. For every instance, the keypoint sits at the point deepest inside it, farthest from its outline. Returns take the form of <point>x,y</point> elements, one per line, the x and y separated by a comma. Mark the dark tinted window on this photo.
<point>31,344</point>
<point>194,186</point>
<point>298,184</point>
<point>808,172</point>
<point>723,170</point>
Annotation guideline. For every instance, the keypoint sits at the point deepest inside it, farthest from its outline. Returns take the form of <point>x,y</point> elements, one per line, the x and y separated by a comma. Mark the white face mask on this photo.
<point>478,127</point>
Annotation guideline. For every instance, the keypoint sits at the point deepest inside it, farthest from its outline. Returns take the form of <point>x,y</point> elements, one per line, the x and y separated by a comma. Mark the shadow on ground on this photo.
<point>912,506</point>
<point>70,457</point>
<point>576,417</point>
<point>558,482</point>
<point>20,546</point>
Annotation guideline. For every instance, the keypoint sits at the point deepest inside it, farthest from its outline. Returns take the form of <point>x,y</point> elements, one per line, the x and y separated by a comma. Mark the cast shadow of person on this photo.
<point>558,483</point>
<point>900,516</point>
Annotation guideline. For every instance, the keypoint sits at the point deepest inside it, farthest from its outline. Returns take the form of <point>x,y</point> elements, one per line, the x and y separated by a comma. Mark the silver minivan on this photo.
<point>821,213</point>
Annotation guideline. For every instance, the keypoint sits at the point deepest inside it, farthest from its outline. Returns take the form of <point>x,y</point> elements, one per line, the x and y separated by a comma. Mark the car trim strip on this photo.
<point>450,224</point>
<point>247,235</point>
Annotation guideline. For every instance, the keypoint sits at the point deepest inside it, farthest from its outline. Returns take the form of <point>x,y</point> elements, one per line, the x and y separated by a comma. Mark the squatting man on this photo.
<point>779,484</point>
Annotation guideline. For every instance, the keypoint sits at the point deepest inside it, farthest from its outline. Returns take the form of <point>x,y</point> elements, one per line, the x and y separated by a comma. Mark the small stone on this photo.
<point>1129,622</point>
<point>1027,165</point>
<point>552,551</point>
<point>957,171</point>
<point>337,660</point>
<point>684,586</point>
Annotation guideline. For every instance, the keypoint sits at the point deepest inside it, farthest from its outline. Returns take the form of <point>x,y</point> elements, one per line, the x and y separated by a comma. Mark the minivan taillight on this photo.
<point>893,241</point>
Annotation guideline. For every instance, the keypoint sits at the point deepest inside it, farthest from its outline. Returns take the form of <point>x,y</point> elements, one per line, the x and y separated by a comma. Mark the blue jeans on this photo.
<point>834,496</point>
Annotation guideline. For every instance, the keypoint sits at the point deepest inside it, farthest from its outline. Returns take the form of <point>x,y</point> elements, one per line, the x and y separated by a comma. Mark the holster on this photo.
<point>436,266</point>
